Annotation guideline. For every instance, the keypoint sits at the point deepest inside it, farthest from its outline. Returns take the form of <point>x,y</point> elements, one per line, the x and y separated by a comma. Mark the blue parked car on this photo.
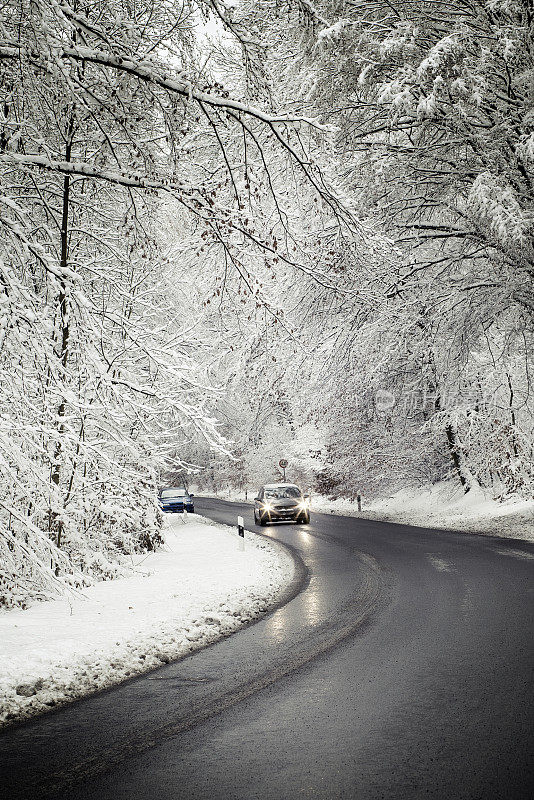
<point>176,500</point>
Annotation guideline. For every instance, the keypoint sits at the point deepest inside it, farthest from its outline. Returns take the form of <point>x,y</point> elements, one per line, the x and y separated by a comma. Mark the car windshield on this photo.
<point>170,493</point>
<point>280,492</point>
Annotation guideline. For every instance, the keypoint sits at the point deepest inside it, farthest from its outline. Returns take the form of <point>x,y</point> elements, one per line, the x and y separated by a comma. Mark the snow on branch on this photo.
<point>82,168</point>
<point>150,72</point>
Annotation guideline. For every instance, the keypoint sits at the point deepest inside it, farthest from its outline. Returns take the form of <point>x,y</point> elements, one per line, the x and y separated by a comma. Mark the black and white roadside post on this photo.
<point>241,532</point>
<point>283,465</point>
<point>359,501</point>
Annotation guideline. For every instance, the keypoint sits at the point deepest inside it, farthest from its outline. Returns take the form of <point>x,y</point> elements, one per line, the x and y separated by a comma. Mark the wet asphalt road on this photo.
<point>402,669</point>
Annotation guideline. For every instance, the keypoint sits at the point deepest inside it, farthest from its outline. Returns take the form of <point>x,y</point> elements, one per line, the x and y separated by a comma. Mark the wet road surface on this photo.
<point>403,669</point>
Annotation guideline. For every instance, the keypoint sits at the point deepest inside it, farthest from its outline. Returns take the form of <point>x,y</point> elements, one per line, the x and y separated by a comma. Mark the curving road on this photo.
<point>401,668</point>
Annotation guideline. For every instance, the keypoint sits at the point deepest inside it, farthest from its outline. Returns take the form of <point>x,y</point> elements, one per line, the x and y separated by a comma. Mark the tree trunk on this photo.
<point>512,415</point>
<point>64,324</point>
<point>458,456</point>
<point>466,479</point>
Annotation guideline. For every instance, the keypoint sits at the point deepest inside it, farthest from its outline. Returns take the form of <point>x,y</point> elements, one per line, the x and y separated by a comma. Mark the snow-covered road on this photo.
<point>202,585</point>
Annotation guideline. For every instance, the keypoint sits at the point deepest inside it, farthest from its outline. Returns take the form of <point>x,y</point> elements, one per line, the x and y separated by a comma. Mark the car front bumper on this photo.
<point>177,508</point>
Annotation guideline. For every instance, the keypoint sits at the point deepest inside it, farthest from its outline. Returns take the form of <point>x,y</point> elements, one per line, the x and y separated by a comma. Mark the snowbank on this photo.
<point>444,505</point>
<point>199,587</point>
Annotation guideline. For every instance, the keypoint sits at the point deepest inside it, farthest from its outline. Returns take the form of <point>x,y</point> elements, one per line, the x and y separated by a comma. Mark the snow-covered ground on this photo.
<point>202,585</point>
<point>444,505</point>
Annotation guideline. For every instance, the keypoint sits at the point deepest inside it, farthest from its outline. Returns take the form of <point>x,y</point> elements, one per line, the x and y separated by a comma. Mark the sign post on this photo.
<point>283,465</point>
<point>241,532</point>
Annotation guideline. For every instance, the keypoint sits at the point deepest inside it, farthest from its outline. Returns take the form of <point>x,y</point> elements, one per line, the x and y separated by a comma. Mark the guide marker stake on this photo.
<point>241,532</point>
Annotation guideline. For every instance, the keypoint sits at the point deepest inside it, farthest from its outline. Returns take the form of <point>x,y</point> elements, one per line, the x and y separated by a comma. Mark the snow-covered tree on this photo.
<point>432,106</point>
<point>110,123</point>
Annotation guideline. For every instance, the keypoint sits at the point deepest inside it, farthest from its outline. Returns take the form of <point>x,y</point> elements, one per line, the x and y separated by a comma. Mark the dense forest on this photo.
<point>237,231</point>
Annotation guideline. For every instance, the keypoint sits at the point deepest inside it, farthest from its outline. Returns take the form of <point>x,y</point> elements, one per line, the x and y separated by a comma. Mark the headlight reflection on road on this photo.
<point>316,608</point>
<point>313,609</point>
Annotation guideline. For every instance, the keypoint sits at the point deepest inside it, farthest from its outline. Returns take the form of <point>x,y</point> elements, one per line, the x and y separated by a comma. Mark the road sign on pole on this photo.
<point>283,465</point>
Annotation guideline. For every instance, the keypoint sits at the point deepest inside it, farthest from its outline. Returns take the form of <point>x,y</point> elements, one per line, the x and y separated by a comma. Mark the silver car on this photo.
<point>281,501</point>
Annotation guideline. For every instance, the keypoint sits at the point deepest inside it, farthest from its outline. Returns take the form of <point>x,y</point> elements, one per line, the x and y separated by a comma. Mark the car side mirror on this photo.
<point>257,498</point>
<point>306,496</point>
<point>191,494</point>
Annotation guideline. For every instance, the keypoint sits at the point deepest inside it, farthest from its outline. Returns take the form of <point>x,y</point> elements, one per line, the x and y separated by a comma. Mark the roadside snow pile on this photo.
<point>446,506</point>
<point>199,587</point>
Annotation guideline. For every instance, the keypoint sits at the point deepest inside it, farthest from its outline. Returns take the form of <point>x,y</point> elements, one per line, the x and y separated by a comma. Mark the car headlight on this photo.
<point>304,505</point>
<point>267,507</point>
